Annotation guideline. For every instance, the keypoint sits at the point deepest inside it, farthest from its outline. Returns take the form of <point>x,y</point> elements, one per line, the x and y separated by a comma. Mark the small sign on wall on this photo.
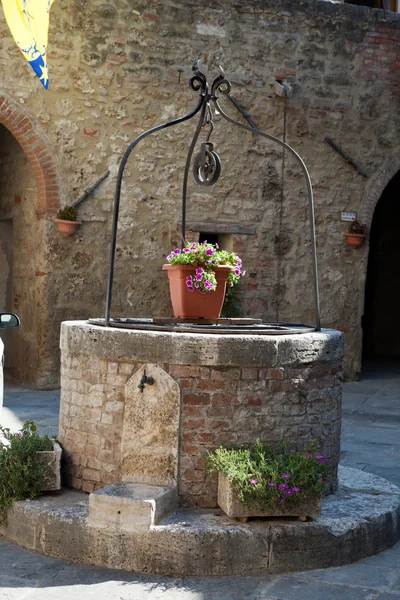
<point>348,216</point>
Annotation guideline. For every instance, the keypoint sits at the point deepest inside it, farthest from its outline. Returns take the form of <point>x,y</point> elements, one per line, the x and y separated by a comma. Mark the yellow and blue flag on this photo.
<point>28,21</point>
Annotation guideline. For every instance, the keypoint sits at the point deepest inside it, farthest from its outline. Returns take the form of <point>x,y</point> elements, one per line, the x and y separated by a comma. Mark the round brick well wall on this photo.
<point>207,390</point>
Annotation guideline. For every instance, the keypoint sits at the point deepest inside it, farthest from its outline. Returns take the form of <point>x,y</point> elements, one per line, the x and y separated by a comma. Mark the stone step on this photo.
<point>131,506</point>
<point>360,519</point>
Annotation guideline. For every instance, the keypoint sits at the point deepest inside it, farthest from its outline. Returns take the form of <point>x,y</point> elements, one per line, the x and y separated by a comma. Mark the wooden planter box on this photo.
<point>233,508</point>
<point>51,459</point>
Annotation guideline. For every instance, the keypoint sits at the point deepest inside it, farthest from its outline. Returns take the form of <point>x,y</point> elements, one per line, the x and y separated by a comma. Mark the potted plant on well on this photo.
<point>66,220</point>
<point>261,482</point>
<point>29,465</point>
<point>357,234</point>
<point>198,275</point>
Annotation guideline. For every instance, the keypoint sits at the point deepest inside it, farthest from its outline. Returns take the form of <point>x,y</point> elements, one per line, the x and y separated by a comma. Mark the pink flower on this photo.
<point>209,252</point>
<point>286,476</point>
<point>282,487</point>
<point>254,481</point>
<point>271,484</point>
<point>295,489</point>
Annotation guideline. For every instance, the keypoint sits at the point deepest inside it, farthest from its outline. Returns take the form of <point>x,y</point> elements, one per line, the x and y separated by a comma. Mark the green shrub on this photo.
<point>269,478</point>
<point>67,213</point>
<point>21,473</point>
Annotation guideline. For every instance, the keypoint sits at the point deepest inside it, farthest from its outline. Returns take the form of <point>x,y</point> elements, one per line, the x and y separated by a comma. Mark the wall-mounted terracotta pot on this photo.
<point>195,305</point>
<point>67,228</point>
<point>355,240</point>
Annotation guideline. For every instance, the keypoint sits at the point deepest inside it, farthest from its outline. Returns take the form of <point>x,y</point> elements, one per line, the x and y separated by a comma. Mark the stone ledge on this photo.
<point>114,344</point>
<point>209,227</point>
<point>352,525</point>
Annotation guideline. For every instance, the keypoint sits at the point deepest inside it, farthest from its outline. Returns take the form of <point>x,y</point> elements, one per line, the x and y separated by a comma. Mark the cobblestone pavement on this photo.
<point>370,441</point>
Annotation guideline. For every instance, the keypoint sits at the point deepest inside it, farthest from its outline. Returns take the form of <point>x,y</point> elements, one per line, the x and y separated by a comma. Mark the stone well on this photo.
<point>208,390</point>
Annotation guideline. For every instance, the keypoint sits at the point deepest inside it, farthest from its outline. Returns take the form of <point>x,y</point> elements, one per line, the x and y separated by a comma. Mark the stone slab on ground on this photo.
<point>354,523</point>
<point>26,575</point>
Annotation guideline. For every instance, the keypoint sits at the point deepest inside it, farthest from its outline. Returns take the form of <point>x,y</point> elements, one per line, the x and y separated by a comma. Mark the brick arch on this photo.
<point>377,184</point>
<point>37,148</point>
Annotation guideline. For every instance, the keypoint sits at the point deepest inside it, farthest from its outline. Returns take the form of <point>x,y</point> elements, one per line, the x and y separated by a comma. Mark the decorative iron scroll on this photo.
<point>207,167</point>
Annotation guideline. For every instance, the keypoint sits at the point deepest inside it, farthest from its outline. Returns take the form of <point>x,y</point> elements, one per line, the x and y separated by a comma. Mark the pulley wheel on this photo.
<point>207,171</point>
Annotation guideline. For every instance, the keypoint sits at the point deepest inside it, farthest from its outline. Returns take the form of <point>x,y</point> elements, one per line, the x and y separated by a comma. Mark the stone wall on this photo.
<point>231,389</point>
<point>117,69</point>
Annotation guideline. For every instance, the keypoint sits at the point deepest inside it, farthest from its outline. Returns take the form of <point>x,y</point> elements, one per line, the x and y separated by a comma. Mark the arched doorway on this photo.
<point>381,323</point>
<point>29,192</point>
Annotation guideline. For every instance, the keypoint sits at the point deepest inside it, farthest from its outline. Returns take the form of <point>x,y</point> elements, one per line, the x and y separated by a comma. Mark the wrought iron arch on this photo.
<point>207,95</point>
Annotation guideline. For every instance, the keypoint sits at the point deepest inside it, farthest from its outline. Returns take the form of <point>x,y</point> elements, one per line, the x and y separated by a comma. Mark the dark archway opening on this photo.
<point>381,321</point>
<point>385,4</point>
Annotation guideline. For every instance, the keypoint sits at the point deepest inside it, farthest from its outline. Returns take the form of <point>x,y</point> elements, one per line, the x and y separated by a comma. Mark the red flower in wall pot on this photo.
<point>198,275</point>
<point>357,234</point>
<point>66,220</point>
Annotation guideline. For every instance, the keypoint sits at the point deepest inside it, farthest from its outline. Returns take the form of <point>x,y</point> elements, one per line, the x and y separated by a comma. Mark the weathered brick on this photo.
<point>195,399</point>
<point>225,374</point>
<point>184,371</point>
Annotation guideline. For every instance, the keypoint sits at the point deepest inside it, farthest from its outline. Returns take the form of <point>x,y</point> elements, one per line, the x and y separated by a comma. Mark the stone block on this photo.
<point>149,447</point>
<point>131,506</point>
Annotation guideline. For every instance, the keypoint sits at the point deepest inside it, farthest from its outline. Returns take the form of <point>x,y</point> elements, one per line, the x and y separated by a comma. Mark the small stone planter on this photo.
<point>51,459</point>
<point>233,508</point>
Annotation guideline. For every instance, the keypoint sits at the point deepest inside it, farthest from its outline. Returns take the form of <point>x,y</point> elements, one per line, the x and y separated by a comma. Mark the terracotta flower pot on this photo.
<point>195,305</point>
<point>67,228</point>
<point>355,240</point>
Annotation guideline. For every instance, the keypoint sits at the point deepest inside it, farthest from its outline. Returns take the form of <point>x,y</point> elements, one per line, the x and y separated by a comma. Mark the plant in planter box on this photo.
<point>260,481</point>
<point>198,276</point>
<point>22,470</point>
<point>66,220</point>
<point>357,234</point>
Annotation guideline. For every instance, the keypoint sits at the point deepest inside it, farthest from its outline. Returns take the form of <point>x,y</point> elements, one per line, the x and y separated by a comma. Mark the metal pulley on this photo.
<point>207,165</point>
